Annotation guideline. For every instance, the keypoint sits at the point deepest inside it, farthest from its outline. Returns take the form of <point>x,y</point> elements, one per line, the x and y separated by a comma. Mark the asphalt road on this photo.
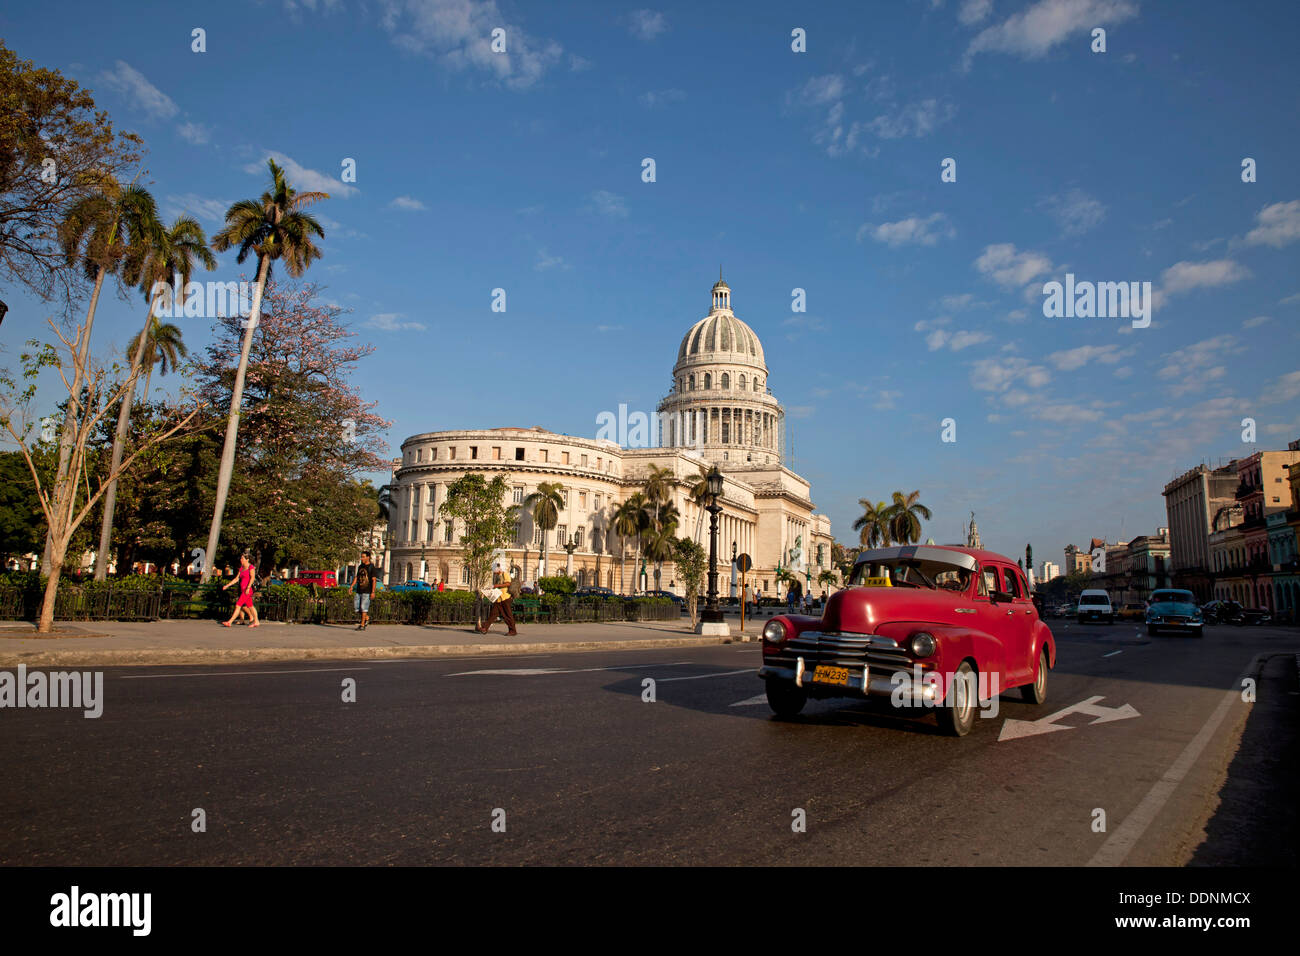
<point>415,770</point>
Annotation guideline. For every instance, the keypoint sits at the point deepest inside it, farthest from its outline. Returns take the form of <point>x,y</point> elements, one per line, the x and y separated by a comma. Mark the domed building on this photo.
<point>720,411</point>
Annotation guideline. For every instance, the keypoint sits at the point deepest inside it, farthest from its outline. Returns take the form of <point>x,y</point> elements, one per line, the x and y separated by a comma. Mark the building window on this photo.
<point>577,538</point>
<point>496,452</point>
<point>537,535</point>
<point>708,380</point>
<point>519,532</point>
<point>473,451</point>
<point>726,380</point>
<point>560,532</point>
<point>519,494</point>
<point>545,454</point>
<point>428,530</point>
<point>596,504</point>
<point>447,531</point>
<point>691,380</point>
<point>419,454</point>
<point>564,458</point>
<point>519,454</point>
<point>451,452</point>
<point>599,462</point>
<point>464,574</point>
<point>582,500</point>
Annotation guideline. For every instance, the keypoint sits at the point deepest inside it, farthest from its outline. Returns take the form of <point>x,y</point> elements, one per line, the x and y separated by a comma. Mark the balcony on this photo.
<point>1245,491</point>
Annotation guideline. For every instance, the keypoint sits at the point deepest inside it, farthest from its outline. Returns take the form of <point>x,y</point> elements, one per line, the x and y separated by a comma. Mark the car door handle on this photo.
<point>1012,611</point>
<point>1029,612</point>
<point>964,610</point>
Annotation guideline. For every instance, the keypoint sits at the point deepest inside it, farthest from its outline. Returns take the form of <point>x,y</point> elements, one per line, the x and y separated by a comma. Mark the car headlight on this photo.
<point>923,644</point>
<point>774,632</point>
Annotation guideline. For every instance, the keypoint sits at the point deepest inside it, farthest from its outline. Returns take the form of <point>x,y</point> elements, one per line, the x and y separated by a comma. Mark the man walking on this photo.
<point>363,586</point>
<point>501,594</point>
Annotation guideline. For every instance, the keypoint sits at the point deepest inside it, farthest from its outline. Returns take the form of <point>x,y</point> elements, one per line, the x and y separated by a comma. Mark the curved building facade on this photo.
<point>720,411</point>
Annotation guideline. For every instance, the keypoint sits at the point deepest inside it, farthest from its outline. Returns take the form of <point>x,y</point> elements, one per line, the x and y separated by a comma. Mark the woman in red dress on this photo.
<point>244,603</point>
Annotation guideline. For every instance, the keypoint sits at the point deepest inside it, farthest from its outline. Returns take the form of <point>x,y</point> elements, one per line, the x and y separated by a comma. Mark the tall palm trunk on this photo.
<point>232,423</point>
<point>119,443</point>
<point>61,485</point>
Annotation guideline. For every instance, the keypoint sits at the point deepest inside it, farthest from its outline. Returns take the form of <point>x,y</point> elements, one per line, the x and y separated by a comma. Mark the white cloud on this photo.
<point>1276,225</point>
<point>1009,268</point>
<point>195,133</point>
<point>608,204</point>
<point>1185,276</point>
<point>301,178</point>
<point>130,82</point>
<point>547,261</point>
<point>1283,389</point>
<point>999,373</point>
<point>1066,413</point>
<point>409,203</point>
<point>1191,368</point>
<point>1074,211</point>
<point>209,210</point>
<point>1256,321</point>
<point>647,24</point>
<point>973,11</point>
<point>657,98</point>
<point>965,339</point>
<point>391,322</point>
<point>801,411</point>
<point>916,119</point>
<point>1290,300</point>
<point>912,231</point>
<point>1070,359</point>
<point>1034,31</point>
<point>458,34</point>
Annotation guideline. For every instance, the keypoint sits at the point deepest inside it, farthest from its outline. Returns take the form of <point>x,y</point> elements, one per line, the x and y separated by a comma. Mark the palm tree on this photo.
<point>171,252</point>
<point>699,494</point>
<point>661,537</point>
<point>627,522</point>
<point>545,504</point>
<point>273,227</point>
<point>874,526</point>
<point>163,349</point>
<point>905,523</point>
<point>385,501</point>
<point>658,487</point>
<point>99,232</point>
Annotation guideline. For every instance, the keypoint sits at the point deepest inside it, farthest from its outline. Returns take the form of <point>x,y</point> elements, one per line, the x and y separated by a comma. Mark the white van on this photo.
<point>1094,605</point>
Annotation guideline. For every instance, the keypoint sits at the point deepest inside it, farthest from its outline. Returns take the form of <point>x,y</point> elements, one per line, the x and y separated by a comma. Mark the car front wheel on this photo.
<point>1036,692</point>
<point>785,699</point>
<point>957,715</point>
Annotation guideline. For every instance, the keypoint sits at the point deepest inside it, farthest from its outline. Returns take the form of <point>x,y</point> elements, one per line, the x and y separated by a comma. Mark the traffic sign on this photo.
<point>743,563</point>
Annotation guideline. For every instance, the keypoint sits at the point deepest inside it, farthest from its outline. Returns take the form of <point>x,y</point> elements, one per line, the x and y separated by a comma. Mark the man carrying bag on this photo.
<point>501,596</point>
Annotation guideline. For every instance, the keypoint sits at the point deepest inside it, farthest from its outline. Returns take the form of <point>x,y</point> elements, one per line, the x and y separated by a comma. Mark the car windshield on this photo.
<point>911,573</point>
<point>1177,597</point>
<point>1094,599</point>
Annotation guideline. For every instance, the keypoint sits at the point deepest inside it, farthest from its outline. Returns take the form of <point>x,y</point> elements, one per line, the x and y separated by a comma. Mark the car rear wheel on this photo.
<point>1036,692</point>
<point>785,699</point>
<point>957,715</point>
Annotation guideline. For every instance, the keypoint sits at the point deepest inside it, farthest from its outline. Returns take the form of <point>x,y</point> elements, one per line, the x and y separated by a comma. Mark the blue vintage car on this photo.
<point>1174,610</point>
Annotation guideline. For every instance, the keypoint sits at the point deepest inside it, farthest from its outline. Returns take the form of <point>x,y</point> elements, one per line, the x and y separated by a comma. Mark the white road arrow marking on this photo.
<point>1027,728</point>
<point>760,699</point>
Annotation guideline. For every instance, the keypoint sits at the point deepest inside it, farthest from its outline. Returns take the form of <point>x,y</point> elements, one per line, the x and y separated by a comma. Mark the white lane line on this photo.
<point>1112,653</point>
<point>312,670</point>
<point>747,670</point>
<point>1120,843</point>
<point>541,671</point>
<point>760,699</point>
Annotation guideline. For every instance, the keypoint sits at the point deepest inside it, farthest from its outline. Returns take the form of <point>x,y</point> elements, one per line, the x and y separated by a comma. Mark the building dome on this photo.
<point>722,337</point>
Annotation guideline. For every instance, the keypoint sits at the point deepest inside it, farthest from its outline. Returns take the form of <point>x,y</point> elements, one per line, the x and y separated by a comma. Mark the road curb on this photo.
<point>237,655</point>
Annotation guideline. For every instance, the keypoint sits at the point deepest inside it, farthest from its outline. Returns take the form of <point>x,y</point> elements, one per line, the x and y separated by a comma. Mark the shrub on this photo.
<point>557,584</point>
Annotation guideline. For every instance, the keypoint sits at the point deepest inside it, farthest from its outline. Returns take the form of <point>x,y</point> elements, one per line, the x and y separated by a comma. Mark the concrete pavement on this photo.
<point>114,644</point>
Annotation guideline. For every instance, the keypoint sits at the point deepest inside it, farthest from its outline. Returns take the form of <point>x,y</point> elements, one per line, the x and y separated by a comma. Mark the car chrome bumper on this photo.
<point>863,682</point>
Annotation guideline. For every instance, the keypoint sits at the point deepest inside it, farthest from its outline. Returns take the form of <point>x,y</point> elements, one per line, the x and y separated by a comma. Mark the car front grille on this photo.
<point>842,650</point>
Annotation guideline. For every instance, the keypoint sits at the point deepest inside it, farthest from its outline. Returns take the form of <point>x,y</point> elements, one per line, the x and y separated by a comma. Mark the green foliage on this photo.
<point>557,584</point>
<point>478,505</point>
<point>691,563</point>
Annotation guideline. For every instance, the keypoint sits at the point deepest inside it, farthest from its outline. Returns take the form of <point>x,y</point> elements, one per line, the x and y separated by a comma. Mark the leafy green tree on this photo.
<point>544,504</point>
<point>691,564</point>
<point>826,579</point>
<point>627,524</point>
<point>44,117</point>
<point>22,527</point>
<point>905,520</point>
<point>479,506</point>
<point>875,524</point>
<point>164,348</point>
<point>275,228</point>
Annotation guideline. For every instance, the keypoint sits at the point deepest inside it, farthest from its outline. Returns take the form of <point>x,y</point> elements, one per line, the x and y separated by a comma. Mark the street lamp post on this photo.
<point>711,621</point>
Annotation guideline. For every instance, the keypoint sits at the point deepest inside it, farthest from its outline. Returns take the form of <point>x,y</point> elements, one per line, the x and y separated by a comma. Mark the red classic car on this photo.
<point>930,626</point>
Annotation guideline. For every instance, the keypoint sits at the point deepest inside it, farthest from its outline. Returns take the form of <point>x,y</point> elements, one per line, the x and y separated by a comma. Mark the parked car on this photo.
<point>675,598</point>
<point>324,579</point>
<point>1171,609</point>
<point>411,586</point>
<point>1094,605</point>
<point>1133,612</point>
<point>1256,615</point>
<point>952,624</point>
<point>594,592</point>
<point>1222,612</point>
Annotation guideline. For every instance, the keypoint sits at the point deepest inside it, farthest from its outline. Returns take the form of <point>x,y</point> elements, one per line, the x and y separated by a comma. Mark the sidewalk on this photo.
<point>115,644</point>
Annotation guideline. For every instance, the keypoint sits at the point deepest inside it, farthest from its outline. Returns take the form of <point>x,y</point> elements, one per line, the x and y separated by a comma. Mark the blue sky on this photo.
<point>817,170</point>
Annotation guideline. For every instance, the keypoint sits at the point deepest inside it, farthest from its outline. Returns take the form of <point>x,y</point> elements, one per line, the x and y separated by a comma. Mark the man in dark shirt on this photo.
<point>363,586</point>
